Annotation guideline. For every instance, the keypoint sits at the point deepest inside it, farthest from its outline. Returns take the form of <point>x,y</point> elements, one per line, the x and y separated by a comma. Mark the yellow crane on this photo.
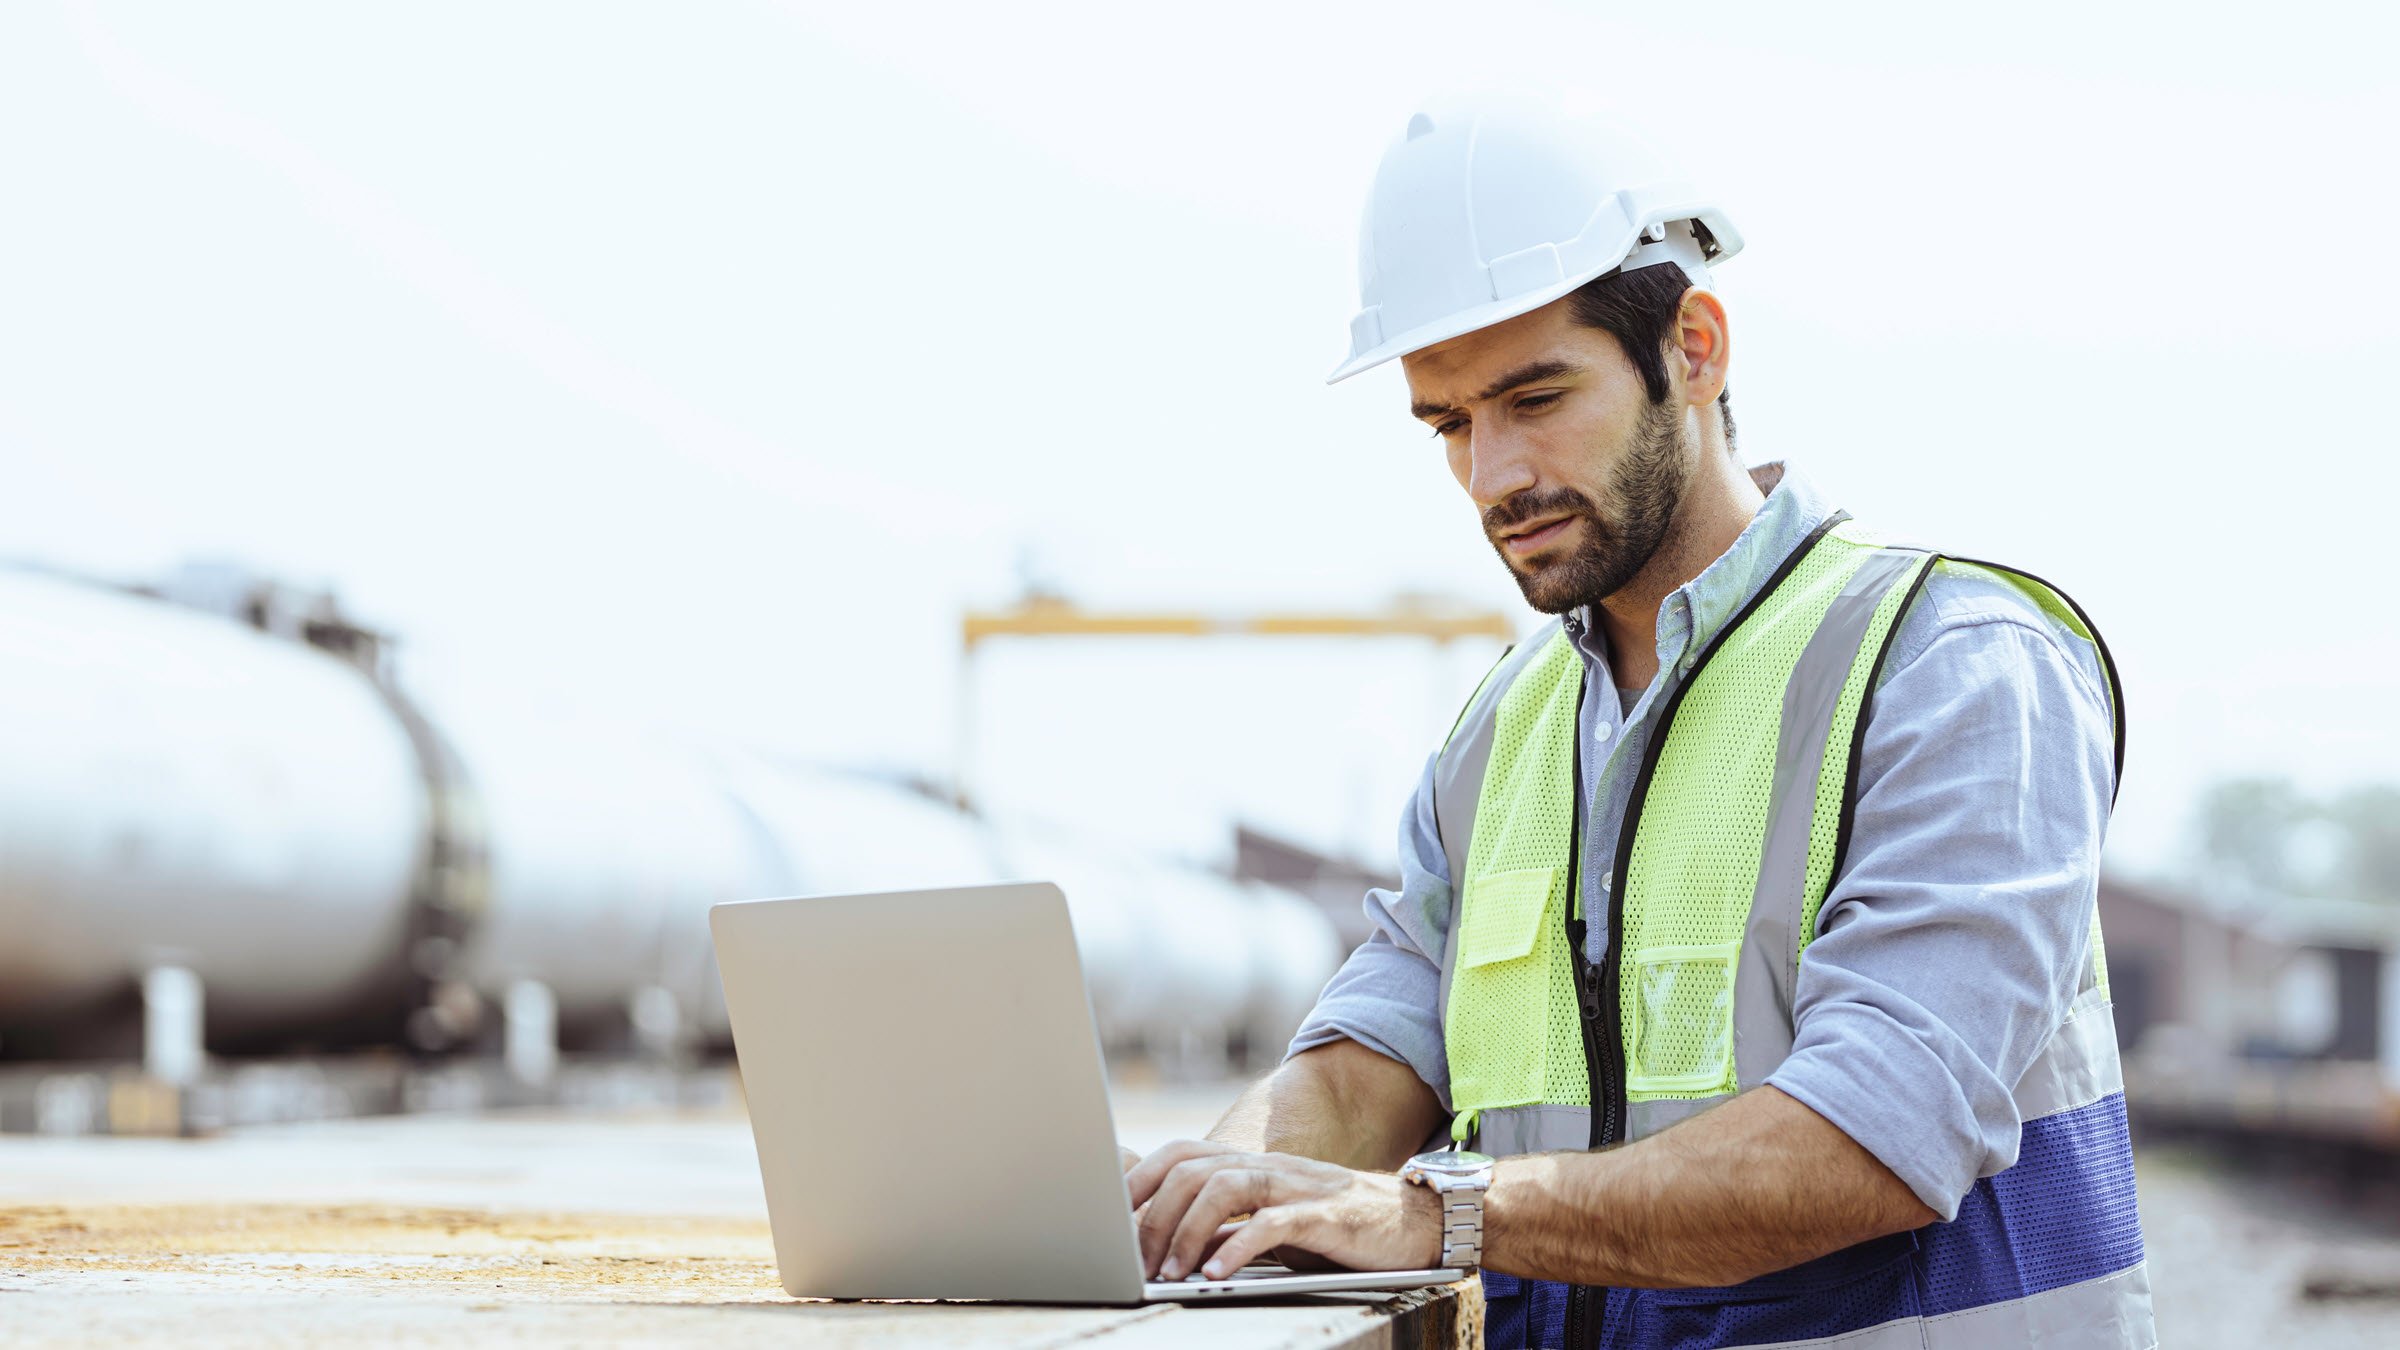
<point>1043,615</point>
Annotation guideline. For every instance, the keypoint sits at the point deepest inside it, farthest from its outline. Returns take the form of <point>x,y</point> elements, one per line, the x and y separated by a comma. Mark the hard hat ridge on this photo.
<point>1487,208</point>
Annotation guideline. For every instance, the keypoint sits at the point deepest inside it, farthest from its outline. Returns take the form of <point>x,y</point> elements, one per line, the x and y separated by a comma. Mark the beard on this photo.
<point>1615,544</point>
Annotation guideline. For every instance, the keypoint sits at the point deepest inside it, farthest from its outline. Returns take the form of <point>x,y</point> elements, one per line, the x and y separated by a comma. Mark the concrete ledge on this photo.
<point>544,1228</point>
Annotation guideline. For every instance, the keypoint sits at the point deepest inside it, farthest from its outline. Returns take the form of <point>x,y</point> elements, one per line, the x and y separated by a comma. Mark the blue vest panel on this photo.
<point>2062,1216</point>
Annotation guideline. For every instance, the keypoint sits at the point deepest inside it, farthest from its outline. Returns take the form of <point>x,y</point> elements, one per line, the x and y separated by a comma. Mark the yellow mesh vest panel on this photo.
<point>1511,1030</point>
<point>1693,866</point>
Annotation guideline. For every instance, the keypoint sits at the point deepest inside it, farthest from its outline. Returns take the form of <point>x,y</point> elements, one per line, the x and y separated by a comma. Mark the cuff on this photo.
<point>1893,1094</point>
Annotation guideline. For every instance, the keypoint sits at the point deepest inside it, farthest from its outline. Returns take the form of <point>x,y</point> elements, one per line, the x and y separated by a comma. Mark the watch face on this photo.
<point>1451,1162</point>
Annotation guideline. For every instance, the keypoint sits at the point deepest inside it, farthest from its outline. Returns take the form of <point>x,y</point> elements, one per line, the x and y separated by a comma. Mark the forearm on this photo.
<point>1342,1103</point>
<point>1756,1185</point>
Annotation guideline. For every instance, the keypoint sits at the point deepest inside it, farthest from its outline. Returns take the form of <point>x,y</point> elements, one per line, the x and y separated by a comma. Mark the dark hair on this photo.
<point>1638,309</point>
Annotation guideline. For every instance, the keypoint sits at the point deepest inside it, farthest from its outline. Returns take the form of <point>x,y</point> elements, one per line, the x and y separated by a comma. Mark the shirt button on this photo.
<point>1606,881</point>
<point>1603,731</point>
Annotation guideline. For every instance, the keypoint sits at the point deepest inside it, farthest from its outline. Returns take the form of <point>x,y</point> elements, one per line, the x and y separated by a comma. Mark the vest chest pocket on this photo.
<point>1501,915</point>
<point>1498,1028</point>
<point>1680,1019</point>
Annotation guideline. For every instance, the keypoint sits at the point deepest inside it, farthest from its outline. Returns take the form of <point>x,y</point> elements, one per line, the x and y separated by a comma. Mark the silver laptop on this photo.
<point>925,1086</point>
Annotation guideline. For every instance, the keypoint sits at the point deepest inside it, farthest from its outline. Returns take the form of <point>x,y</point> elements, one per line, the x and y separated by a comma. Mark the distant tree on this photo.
<point>2267,833</point>
<point>2369,818</point>
<point>2246,829</point>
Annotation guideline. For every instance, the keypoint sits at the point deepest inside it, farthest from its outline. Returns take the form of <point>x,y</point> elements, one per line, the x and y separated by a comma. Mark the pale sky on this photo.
<point>696,365</point>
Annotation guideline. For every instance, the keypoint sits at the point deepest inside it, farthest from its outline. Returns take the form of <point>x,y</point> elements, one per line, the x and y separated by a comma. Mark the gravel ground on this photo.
<point>2233,1261</point>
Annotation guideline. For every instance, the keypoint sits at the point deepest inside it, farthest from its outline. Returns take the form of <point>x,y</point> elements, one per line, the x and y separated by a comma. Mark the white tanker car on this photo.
<point>335,867</point>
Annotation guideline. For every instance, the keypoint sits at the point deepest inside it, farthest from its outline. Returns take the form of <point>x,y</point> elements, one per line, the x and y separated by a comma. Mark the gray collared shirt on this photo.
<point>1958,929</point>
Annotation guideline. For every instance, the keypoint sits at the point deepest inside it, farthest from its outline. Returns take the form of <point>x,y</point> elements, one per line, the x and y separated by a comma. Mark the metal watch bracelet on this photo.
<point>1462,1224</point>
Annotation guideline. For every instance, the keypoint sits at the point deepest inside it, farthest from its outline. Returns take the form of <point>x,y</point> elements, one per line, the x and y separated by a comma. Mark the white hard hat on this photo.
<point>1487,208</point>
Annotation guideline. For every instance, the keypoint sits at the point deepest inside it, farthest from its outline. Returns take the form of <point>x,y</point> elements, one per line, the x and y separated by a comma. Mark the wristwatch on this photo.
<point>1458,1181</point>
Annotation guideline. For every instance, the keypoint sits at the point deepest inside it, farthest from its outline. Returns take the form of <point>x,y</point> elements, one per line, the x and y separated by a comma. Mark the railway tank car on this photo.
<point>176,790</point>
<point>247,795</point>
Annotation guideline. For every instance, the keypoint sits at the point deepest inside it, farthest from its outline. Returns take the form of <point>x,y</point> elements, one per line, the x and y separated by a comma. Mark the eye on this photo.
<point>1536,402</point>
<point>1449,426</point>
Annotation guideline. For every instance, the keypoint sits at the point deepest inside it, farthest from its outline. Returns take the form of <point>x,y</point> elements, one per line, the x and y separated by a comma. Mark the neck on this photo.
<point>1716,506</point>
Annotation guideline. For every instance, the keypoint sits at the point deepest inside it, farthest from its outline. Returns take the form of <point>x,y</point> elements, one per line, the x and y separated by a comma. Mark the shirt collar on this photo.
<point>1691,616</point>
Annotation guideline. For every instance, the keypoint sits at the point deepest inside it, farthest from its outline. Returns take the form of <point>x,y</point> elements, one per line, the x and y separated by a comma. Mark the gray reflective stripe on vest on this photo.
<point>1770,960</point>
<point>2109,1313</point>
<point>1458,786</point>
<point>1506,1131</point>
<point>1643,1119</point>
<point>2078,1067</point>
<point>1458,770</point>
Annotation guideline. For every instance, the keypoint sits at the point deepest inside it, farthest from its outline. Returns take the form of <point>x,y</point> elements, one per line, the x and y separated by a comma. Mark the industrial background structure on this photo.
<point>247,875</point>
<point>227,829</point>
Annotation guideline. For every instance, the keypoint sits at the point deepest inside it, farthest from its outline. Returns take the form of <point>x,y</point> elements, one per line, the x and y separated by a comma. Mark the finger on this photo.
<point>1229,1192</point>
<point>1143,1180</point>
<point>1267,1230</point>
<point>1290,1257</point>
<point>1127,1159</point>
<point>1163,1212</point>
<point>1217,1239</point>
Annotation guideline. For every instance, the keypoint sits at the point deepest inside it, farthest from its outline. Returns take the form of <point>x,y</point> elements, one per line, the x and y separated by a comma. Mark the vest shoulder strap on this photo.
<point>2062,608</point>
<point>1458,770</point>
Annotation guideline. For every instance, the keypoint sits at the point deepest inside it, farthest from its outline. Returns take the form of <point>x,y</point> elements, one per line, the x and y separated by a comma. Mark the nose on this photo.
<point>1498,467</point>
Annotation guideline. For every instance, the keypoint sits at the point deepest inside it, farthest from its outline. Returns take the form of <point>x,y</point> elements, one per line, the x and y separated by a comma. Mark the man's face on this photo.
<point>1548,428</point>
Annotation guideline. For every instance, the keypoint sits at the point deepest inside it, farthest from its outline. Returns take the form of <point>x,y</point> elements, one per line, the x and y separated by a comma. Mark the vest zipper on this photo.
<point>1589,1003</point>
<point>1597,994</point>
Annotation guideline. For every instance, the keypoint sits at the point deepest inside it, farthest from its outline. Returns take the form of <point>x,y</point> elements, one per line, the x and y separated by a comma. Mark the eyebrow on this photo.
<point>1530,373</point>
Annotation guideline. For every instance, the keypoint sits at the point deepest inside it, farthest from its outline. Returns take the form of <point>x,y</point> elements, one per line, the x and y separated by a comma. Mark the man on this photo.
<point>1747,914</point>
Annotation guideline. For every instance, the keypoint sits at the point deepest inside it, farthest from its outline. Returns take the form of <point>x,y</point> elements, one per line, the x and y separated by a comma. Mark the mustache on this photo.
<point>1532,502</point>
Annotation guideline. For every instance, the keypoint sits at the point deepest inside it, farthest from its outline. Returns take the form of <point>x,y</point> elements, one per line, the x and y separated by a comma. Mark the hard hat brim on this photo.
<point>1452,325</point>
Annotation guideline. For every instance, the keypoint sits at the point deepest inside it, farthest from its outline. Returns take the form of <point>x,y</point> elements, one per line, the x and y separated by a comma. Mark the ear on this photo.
<point>1704,344</point>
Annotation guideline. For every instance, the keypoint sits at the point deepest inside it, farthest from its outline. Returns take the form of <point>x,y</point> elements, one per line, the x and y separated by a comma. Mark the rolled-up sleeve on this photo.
<point>1958,932</point>
<point>1386,996</point>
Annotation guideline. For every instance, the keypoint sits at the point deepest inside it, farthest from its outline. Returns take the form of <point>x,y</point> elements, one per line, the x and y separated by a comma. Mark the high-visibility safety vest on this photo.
<point>1737,825</point>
